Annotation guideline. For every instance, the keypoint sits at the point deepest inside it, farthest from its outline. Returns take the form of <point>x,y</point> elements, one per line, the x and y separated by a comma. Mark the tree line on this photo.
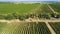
<point>26,16</point>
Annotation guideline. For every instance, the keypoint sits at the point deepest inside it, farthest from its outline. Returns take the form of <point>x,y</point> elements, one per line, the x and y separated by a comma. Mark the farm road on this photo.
<point>31,20</point>
<point>50,28</point>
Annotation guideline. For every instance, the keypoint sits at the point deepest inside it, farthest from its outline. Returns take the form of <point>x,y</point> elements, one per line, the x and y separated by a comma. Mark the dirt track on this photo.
<point>30,20</point>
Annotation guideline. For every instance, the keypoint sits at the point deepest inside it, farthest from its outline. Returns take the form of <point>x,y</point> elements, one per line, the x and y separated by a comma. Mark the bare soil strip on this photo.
<point>30,20</point>
<point>50,28</point>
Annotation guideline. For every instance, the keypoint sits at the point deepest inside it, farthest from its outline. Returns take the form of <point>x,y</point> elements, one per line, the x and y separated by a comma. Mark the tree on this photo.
<point>2,16</point>
<point>9,17</point>
<point>45,15</point>
<point>55,15</point>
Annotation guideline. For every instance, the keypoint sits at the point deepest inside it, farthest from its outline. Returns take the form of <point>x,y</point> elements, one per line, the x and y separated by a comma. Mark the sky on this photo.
<point>29,0</point>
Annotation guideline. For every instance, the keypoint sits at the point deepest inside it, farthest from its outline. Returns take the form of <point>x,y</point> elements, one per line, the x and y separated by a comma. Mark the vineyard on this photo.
<point>24,28</point>
<point>56,7</point>
<point>56,27</point>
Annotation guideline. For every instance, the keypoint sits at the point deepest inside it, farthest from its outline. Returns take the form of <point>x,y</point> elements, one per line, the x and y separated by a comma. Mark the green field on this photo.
<point>24,28</point>
<point>15,11</point>
<point>19,8</point>
<point>6,8</point>
<point>56,7</point>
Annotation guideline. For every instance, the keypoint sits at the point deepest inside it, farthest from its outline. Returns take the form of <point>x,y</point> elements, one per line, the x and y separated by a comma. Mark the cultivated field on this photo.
<point>34,18</point>
<point>56,7</point>
<point>24,28</point>
<point>55,26</point>
<point>16,11</point>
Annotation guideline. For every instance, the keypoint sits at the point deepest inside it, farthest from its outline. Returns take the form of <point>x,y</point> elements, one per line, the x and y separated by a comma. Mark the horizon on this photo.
<point>26,0</point>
